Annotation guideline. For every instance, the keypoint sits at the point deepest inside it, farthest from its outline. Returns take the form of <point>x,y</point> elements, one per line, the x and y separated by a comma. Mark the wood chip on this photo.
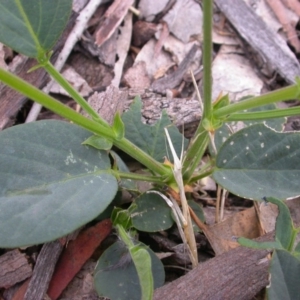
<point>252,28</point>
<point>43,270</point>
<point>238,274</point>
<point>108,103</point>
<point>14,268</point>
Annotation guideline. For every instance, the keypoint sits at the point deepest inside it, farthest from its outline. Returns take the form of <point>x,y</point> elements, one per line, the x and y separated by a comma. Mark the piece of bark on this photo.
<point>43,270</point>
<point>10,100</point>
<point>14,268</point>
<point>269,45</point>
<point>108,103</point>
<point>112,18</point>
<point>237,274</point>
<point>171,81</point>
<point>181,111</point>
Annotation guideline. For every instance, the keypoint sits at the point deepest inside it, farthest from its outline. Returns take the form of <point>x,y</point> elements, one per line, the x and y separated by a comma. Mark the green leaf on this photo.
<point>224,132</point>
<point>297,248</point>
<point>151,138</point>
<point>142,262</point>
<point>116,276</point>
<point>258,245</point>
<point>199,213</point>
<point>258,162</point>
<point>276,124</point>
<point>121,217</point>
<point>50,183</point>
<point>118,127</point>
<point>32,27</point>
<point>98,142</point>
<point>151,213</point>
<point>127,184</point>
<point>284,224</point>
<point>296,251</point>
<point>285,274</point>
<point>221,102</point>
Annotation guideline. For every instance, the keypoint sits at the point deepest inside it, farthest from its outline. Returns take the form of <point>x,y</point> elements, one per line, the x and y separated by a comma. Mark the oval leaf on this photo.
<point>224,132</point>
<point>98,142</point>
<point>284,224</point>
<point>50,183</point>
<point>258,162</point>
<point>116,276</point>
<point>32,27</point>
<point>285,274</point>
<point>150,207</point>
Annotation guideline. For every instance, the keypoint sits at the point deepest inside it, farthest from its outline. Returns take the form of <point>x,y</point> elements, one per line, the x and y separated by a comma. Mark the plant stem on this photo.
<point>266,114</point>
<point>73,93</point>
<point>195,153</point>
<point>294,236</point>
<point>135,176</point>
<point>207,57</point>
<point>200,141</point>
<point>200,175</point>
<point>54,105</point>
<point>288,93</point>
<point>144,158</point>
<point>49,102</point>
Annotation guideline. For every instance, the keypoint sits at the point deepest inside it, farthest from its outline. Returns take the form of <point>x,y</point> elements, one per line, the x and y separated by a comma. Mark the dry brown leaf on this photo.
<point>185,20</point>
<point>244,223</point>
<point>142,32</point>
<point>149,9</point>
<point>267,213</point>
<point>75,255</point>
<point>233,74</point>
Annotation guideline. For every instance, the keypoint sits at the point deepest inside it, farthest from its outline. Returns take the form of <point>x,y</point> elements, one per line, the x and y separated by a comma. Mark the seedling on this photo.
<point>55,178</point>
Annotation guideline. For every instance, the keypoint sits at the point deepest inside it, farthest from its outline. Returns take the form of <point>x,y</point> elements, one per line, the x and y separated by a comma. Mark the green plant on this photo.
<point>55,177</point>
<point>285,262</point>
